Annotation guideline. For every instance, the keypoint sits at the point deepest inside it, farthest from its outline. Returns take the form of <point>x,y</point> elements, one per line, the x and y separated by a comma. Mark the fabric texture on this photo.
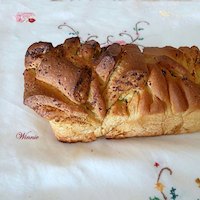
<point>34,165</point>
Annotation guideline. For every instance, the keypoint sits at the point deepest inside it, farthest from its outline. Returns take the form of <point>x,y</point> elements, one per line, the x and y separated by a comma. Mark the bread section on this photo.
<point>118,91</point>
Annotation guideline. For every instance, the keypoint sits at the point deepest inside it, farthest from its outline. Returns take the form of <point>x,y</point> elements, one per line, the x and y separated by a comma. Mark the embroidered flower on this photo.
<point>156,164</point>
<point>31,20</point>
<point>131,37</point>
<point>25,17</point>
<point>159,186</point>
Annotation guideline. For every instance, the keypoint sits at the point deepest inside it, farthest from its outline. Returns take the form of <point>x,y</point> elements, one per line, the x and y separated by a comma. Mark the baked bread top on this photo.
<point>83,82</point>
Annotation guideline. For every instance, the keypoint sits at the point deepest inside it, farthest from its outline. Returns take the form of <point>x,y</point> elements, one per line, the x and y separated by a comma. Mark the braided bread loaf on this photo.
<point>117,91</point>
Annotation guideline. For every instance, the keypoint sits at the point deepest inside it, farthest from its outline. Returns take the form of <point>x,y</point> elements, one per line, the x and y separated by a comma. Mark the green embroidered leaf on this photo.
<point>140,38</point>
<point>140,29</point>
<point>154,198</point>
<point>173,193</point>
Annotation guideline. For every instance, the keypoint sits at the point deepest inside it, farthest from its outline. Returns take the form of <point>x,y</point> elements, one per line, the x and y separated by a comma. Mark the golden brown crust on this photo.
<point>72,81</point>
<point>41,97</point>
<point>177,98</point>
<point>157,83</point>
<point>95,100</point>
<point>130,72</point>
<point>35,52</point>
<point>117,91</point>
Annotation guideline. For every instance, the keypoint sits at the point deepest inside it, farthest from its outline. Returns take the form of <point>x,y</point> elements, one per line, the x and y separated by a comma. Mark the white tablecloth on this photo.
<point>44,168</point>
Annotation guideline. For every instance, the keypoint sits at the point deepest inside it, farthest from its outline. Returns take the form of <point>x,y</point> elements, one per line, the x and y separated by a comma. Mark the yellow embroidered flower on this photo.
<point>164,13</point>
<point>198,181</point>
<point>159,186</point>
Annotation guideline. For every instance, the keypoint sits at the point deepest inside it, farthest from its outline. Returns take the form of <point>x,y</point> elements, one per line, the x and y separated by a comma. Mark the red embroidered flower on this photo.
<point>25,17</point>
<point>156,164</point>
<point>31,20</point>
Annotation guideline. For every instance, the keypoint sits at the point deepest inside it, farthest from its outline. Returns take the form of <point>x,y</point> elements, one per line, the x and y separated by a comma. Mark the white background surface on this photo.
<point>105,169</point>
